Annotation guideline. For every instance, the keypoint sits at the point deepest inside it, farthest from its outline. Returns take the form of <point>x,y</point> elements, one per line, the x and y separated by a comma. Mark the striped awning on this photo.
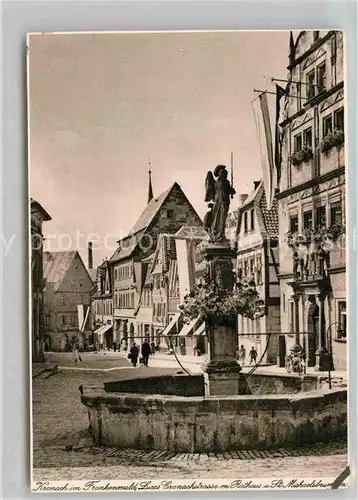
<point>102,330</point>
<point>167,330</point>
<point>189,327</point>
<point>201,330</point>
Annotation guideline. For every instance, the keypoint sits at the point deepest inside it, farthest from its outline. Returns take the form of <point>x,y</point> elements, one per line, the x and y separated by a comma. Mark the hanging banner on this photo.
<point>280,92</point>
<point>80,313</point>
<point>263,128</point>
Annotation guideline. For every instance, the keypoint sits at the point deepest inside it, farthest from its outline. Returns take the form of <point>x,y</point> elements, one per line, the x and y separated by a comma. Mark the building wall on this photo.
<point>37,286</point>
<point>314,187</point>
<point>60,307</point>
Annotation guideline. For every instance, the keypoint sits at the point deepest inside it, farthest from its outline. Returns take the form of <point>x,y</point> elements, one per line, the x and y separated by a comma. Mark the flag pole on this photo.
<point>232,171</point>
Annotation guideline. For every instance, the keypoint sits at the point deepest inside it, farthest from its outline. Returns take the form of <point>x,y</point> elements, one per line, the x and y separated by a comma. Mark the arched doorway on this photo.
<point>313,332</point>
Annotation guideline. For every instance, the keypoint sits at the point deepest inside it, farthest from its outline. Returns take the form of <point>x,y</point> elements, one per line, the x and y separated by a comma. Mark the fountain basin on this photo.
<point>199,424</point>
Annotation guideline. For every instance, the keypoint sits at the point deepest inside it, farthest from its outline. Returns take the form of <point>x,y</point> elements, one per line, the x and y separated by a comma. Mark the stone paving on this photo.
<point>200,468</point>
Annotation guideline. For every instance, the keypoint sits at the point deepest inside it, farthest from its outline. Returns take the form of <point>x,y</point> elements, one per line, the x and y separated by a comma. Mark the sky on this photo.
<point>102,104</point>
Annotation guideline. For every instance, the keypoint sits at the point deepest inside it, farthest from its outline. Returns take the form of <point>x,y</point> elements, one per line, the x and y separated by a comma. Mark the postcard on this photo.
<point>188,295</point>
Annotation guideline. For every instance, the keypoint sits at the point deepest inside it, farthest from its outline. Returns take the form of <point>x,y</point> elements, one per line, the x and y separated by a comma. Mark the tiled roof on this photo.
<point>270,217</point>
<point>56,265</point>
<point>150,212</point>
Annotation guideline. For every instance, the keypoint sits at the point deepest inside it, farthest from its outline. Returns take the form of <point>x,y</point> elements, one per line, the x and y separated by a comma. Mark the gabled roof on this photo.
<point>267,219</point>
<point>56,265</point>
<point>37,207</point>
<point>151,211</point>
<point>93,274</point>
<point>144,221</point>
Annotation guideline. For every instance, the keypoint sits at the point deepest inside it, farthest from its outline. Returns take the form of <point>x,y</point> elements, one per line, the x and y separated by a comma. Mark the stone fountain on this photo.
<point>220,410</point>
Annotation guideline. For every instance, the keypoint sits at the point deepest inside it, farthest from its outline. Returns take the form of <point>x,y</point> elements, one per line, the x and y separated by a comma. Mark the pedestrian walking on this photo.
<point>242,354</point>
<point>75,352</point>
<point>253,355</point>
<point>146,350</point>
<point>134,352</point>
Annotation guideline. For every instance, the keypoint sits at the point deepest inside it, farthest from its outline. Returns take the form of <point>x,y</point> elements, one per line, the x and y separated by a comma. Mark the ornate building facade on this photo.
<point>312,200</point>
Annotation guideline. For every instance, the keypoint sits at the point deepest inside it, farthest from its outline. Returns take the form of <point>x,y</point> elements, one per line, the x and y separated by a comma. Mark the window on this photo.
<point>315,36</point>
<point>307,219</point>
<point>47,320</point>
<point>170,214</point>
<point>297,142</point>
<point>336,212</point>
<point>245,222</point>
<point>320,216</point>
<point>73,282</point>
<point>310,84</point>
<point>341,329</point>
<point>72,320</point>
<point>245,268</point>
<point>81,282</point>
<point>321,77</point>
<point>63,320</point>
<point>252,219</point>
<point>339,119</point>
<point>252,266</point>
<point>327,125</point>
<point>293,223</point>
<point>307,137</point>
<point>291,305</point>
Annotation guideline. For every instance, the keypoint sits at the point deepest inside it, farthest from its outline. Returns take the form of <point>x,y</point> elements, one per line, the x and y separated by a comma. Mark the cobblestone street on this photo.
<point>62,449</point>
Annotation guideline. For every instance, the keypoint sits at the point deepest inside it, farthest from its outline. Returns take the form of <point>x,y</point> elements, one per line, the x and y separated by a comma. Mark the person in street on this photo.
<point>75,352</point>
<point>253,355</point>
<point>146,350</point>
<point>242,354</point>
<point>152,346</point>
<point>134,352</point>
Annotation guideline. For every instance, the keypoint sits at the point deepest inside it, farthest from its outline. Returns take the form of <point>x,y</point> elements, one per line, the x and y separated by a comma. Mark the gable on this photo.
<point>76,278</point>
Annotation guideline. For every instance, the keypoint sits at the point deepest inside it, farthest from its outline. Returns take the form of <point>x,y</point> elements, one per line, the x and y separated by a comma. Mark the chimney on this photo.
<point>90,256</point>
<point>242,199</point>
<point>256,184</point>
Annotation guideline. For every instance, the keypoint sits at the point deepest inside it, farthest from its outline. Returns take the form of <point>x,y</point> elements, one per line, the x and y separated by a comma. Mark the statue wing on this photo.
<point>209,187</point>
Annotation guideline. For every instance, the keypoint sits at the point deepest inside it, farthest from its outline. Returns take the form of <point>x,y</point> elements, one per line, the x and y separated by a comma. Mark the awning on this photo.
<point>189,327</point>
<point>102,330</point>
<point>201,330</point>
<point>170,325</point>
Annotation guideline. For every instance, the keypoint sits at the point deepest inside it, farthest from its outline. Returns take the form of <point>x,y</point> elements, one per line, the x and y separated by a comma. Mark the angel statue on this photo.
<point>219,191</point>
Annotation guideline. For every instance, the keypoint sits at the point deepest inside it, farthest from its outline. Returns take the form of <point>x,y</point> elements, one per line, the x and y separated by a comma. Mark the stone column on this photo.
<point>222,372</point>
<point>296,323</point>
<point>321,353</point>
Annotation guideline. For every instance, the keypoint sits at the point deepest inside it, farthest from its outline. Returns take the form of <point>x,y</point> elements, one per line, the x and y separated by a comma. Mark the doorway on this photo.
<point>281,350</point>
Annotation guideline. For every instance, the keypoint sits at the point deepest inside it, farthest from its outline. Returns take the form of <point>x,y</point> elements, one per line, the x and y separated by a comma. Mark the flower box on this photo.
<point>332,140</point>
<point>302,156</point>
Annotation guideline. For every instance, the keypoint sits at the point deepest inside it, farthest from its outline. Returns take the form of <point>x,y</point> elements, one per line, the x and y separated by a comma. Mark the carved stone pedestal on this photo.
<point>222,372</point>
